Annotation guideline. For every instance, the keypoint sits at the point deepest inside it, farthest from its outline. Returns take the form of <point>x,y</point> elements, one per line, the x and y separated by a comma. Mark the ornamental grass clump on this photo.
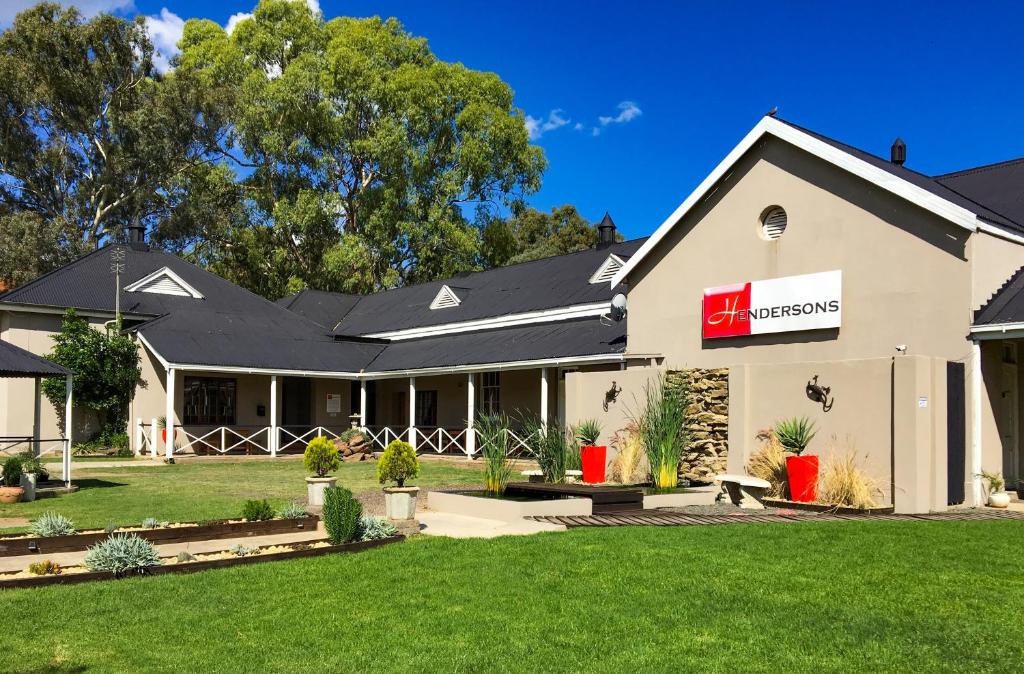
<point>552,447</point>
<point>844,483</point>
<point>52,524</point>
<point>795,434</point>
<point>769,463</point>
<point>122,554</point>
<point>258,510</point>
<point>494,443</point>
<point>371,528</point>
<point>662,426</point>
<point>398,464</point>
<point>341,515</point>
<point>321,457</point>
<point>628,452</point>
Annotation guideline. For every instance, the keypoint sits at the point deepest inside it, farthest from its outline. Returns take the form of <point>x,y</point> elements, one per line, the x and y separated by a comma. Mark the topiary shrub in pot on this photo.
<point>997,496</point>
<point>320,459</point>
<point>398,464</point>
<point>11,490</point>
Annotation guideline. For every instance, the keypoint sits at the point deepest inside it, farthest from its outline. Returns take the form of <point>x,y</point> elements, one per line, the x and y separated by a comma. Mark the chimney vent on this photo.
<point>137,235</point>
<point>605,232</point>
<point>898,152</point>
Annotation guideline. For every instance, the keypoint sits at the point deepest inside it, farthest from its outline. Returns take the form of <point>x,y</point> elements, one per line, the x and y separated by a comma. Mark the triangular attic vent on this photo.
<point>164,282</point>
<point>445,298</point>
<point>607,270</point>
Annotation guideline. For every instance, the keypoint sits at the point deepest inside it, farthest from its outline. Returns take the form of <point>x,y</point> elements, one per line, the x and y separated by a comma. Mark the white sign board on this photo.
<point>333,403</point>
<point>787,304</point>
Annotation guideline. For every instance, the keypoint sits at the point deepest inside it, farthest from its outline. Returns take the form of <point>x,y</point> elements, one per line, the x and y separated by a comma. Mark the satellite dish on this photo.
<point>618,309</point>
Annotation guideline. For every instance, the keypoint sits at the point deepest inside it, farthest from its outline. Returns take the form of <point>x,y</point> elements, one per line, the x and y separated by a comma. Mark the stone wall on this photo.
<point>707,452</point>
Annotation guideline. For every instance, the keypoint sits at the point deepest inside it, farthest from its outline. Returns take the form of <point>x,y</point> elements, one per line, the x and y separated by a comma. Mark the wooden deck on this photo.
<point>604,500</point>
<point>666,517</point>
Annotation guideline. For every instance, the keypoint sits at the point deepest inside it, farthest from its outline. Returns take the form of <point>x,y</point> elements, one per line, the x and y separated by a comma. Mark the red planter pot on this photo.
<point>593,460</point>
<point>803,477</point>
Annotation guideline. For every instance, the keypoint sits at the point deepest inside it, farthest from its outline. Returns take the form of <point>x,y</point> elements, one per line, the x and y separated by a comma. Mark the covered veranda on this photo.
<point>16,362</point>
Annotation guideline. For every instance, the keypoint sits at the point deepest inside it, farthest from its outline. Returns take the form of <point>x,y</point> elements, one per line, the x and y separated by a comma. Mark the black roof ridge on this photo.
<point>978,169</point>
<point>1000,298</point>
<point>902,167</point>
<point>451,279</point>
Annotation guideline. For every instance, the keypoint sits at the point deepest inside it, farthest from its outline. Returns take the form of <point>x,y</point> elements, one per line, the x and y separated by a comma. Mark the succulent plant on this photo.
<point>372,528</point>
<point>122,554</point>
<point>52,524</point>
<point>292,511</point>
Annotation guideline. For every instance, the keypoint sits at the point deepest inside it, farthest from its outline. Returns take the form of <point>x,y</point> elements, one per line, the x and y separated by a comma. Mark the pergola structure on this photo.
<point>19,363</point>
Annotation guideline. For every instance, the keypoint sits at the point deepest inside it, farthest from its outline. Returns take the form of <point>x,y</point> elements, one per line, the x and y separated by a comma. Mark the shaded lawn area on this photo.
<point>190,491</point>
<point>829,597</point>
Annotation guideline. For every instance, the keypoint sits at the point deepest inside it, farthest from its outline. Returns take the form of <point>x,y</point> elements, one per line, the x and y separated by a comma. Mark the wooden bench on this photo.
<point>744,491</point>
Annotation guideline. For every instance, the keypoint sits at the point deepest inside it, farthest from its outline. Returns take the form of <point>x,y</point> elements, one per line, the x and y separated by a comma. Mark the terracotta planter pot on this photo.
<point>11,494</point>
<point>803,477</point>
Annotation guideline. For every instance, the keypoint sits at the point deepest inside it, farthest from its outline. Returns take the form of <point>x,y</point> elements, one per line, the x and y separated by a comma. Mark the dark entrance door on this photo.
<point>371,400</point>
<point>296,403</point>
<point>956,430</point>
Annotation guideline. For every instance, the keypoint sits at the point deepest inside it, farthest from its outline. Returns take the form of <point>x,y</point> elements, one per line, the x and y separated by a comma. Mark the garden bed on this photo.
<point>826,508</point>
<point>72,575</point>
<point>22,544</point>
<point>475,504</point>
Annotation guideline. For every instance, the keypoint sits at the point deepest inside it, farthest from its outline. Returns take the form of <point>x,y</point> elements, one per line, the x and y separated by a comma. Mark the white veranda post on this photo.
<point>544,397</point>
<point>412,412</point>
<point>169,415</point>
<point>69,387</point>
<point>362,404</point>
<point>470,409</point>
<point>37,415</point>
<point>273,439</point>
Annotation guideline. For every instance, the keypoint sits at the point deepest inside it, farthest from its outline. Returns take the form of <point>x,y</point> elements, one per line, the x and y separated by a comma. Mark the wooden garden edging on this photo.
<point>10,547</point>
<point>193,567</point>
<point>825,508</point>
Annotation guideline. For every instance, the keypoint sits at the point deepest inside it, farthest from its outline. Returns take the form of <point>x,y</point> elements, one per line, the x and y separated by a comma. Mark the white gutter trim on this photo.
<point>493,367</point>
<point>997,331</point>
<point>945,209</point>
<point>1000,232</point>
<point>156,354</point>
<point>511,320</point>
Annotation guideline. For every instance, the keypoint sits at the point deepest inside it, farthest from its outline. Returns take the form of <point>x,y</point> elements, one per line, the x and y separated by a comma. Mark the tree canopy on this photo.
<point>533,234</point>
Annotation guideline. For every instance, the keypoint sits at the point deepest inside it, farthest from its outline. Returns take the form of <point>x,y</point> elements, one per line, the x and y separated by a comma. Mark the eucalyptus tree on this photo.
<point>91,136</point>
<point>357,151</point>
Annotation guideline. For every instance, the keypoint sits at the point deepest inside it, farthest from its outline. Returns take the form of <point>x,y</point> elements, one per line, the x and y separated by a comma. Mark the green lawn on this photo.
<point>208,490</point>
<point>829,597</point>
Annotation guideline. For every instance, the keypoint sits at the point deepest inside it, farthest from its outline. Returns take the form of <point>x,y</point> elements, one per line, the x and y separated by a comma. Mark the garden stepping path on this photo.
<point>21,562</point>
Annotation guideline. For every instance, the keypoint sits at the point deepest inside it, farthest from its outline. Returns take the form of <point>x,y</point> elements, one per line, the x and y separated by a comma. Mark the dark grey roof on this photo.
<point>986,210</point>
<point>564,339</point>
<point>529,286</point>
<point>998,186</point>
<point>1006,304</point>
<point>321,307</point>
<point>17,362</point>
<point>234,339</point>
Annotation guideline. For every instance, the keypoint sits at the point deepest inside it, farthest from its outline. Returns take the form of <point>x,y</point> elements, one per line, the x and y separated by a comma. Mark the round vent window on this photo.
<point>773,223</point>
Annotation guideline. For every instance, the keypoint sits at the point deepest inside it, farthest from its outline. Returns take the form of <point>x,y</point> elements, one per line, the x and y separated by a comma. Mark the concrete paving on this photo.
<point>21,562</point>
<point>435,523</point>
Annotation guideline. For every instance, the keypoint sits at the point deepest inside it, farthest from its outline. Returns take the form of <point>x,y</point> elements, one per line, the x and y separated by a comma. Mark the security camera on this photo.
<point>901,348</point>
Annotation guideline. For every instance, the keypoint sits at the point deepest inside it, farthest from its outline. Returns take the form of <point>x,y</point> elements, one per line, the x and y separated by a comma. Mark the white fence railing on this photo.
<point>10,446</point>
<point>292,437</point>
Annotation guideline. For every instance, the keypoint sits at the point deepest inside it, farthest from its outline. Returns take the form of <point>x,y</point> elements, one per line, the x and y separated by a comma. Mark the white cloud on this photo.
<point>578,126</point>
<point>165,32</point>
<point>10,8</point>
<point>236,19</point>
<point>537,127</point>
<point>628,111</point>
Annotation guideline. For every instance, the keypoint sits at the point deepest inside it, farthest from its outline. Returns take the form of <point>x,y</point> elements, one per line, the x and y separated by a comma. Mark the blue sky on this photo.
<point>693,78</point>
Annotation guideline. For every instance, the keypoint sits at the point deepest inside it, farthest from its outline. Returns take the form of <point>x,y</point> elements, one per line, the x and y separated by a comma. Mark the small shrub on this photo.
<point>340,514</point>
<point>842,482</point>
<point>52,524</point>
<point>494,441</point>
<point>769,463</point>
<point>628,452</point>
<point>185,556</point>
<point>12,472</point>
<point>240,550</point>
<point>995,480</point>
<point>795,434</point>
<point>45,568</point>
<point>372,528</point>
<point>111,528</point>
<point>257,511</point>
<point>321,457</point>
<point>34,465</point>
<point>151,523</point>
<point>121,554</point>
<point>293,511</point>
<point>349,433</point>
<point>398,463</point>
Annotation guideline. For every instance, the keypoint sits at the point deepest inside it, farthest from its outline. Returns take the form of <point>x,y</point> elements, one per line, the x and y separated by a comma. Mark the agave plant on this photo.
<point>122,554</point>
<point>795,434</point>
<point>587,432</point>
<point>494,441</point>
<point>52,524</point>
<point>662,427</point>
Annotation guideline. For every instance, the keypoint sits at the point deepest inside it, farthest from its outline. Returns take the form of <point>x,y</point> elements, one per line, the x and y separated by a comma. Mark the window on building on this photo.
<point>209,401</point>
<point>426,408</point>
<point>490,393</point>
